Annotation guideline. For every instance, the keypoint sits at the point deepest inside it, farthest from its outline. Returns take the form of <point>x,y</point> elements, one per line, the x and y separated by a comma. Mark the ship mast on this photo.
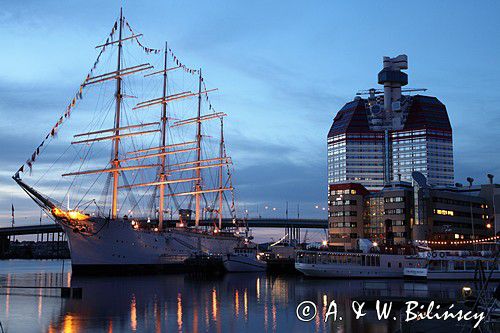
<point>198,156</point>
<point>116,139</point>
<point>163,142</point>
<point>221,155</point>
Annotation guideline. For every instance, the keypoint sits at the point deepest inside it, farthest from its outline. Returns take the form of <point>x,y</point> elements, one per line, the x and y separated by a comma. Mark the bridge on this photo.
<point>252,223</point>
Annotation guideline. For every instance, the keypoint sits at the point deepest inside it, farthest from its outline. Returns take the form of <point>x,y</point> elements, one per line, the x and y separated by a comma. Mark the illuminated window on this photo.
<point>443,212</point>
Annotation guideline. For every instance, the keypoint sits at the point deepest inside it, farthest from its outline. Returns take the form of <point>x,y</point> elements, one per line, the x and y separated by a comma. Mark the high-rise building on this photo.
<point>388,135</point>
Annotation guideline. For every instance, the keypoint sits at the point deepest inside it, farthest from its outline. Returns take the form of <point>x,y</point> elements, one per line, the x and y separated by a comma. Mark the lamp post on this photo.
<point>471,180</point>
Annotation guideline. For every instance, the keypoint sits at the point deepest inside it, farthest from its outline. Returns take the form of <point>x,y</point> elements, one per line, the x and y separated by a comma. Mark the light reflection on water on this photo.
<point>190,303</point>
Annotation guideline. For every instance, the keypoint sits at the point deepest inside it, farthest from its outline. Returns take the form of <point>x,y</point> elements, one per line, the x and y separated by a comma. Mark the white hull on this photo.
<point>237,263</point>
<point>459,275</point>
<point>343,271</point>
<point>354,265</point>
<point>424,273</point>
<point>117,243</point>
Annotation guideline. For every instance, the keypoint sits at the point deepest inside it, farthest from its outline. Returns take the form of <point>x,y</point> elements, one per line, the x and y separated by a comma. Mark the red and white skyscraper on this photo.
<point>387,135</point>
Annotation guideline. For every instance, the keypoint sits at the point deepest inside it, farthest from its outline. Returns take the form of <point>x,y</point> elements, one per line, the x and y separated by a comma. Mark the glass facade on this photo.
<point>427,151</point>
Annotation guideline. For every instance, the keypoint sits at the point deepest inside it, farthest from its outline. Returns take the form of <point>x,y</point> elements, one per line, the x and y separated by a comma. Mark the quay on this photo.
<point>65,292</point>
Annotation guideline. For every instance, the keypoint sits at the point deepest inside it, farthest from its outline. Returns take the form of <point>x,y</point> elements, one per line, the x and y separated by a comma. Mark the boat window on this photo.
<point>377,261</point>
<point>470,265</point>
<point>389,264</point>
<point>435,265</point>
<point>400,265</point>
<point>458,265</point>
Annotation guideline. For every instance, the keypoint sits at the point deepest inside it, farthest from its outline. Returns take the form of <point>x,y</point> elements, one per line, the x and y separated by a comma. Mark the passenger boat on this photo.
<point>244,259</point>
<point>355,265</point>
<point>457,265</point>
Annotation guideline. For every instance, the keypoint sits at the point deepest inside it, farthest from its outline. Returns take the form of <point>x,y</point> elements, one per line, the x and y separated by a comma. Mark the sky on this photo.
<point>283,69</point>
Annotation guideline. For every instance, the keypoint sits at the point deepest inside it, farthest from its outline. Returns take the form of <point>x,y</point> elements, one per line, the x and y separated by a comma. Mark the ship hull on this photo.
<point>341,271</point>
<point>103,245</point>
<point>236,263</point>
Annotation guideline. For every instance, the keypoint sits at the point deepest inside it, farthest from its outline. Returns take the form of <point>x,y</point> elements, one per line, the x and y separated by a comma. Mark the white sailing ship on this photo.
<point>163,159</point>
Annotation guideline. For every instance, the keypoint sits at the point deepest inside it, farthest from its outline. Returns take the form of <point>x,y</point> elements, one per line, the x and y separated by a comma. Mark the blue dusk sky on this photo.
<point>283,68</point>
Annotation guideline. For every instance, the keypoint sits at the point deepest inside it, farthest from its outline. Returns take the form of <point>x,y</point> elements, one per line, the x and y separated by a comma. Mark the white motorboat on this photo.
<point>244,259</point>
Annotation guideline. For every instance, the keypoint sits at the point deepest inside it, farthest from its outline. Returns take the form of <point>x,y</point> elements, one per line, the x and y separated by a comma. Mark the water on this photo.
<point>190,303</point>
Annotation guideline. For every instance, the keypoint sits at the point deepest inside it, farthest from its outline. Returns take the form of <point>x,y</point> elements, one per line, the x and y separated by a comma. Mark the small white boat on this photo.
<point>244,259</point>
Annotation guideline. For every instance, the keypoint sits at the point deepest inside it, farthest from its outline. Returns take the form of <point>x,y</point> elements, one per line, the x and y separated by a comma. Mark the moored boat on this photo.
<point>457,265</point>
<point>138,162</point>
<point>244,259</point>
<point>354,265</point>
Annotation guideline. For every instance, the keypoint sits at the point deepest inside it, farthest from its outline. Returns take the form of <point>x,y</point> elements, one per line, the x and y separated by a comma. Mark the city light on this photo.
<point>324,243</point>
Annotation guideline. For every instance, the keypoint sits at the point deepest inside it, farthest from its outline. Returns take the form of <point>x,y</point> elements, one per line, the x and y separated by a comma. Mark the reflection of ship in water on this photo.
<point>250,302</point>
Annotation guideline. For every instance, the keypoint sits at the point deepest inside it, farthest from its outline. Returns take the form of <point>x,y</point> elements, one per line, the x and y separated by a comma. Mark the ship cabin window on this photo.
<point>435,265</point>
<point>389,264</point>
<point>458,265</point>
<point>400,265</point>
<point>377,261</point>
<point>470,265</point>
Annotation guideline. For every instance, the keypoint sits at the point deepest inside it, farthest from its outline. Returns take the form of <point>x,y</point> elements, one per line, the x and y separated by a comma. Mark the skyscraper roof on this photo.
<point>427,112</point>
<point>424,112</point>
<point>351,118</point>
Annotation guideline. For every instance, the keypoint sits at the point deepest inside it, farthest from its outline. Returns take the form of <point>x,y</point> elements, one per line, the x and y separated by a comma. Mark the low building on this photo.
<point>345,214</point>
<point>403,212</point>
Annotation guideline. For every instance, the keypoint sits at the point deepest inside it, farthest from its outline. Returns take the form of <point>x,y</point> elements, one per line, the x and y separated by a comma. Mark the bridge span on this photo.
<point>252,223</point>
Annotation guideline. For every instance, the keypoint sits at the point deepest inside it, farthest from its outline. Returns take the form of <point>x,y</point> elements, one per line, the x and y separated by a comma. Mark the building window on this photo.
<point>394,199</point>
<point>443,212</point>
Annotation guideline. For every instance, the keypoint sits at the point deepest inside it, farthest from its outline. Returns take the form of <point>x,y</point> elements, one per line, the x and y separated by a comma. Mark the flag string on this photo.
<point>67,113</point>
<point>148,50</point>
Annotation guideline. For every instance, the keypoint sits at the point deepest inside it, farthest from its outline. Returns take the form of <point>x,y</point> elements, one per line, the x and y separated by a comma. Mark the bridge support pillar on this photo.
<point>293,235</point>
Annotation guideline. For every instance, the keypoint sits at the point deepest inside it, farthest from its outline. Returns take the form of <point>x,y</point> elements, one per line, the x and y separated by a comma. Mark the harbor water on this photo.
<point>237,302</point>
